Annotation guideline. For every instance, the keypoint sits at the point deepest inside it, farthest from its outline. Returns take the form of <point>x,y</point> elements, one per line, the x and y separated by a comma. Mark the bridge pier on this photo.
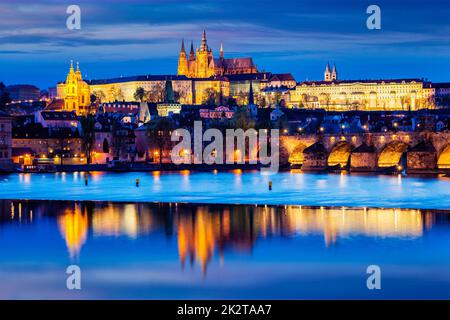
<point>363,159</point>
<point>315,158</point>
<point>422,158</point>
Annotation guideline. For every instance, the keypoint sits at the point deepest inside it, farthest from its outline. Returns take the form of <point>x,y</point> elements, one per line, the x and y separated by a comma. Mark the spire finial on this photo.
<point>78,66</point>
<point>182,45</point>
<point>71,64</point>
<point>204,45</point>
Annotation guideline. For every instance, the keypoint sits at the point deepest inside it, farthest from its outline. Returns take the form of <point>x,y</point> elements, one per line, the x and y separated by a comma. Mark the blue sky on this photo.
<point>143,37</point>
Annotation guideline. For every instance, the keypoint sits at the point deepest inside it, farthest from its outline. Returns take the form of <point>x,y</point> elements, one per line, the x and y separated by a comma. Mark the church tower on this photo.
<point>76,92</point>
<point>182,62</point>
<point>204,57</point>
<point>327,75</point>
<point>192,53</point>
<point>334,75</point>
<point>71,94</point>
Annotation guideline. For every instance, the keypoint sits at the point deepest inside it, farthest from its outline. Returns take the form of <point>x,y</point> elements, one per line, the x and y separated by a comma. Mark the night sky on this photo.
<point>143,37</point>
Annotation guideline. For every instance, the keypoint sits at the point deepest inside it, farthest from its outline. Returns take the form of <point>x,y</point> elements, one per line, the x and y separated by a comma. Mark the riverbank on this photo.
<point>169,167</point>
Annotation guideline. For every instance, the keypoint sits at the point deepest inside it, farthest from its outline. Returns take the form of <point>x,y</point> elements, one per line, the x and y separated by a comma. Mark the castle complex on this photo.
<point>199,74</point>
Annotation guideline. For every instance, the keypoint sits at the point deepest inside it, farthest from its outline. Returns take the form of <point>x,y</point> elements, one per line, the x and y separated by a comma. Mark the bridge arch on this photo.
<point>392,154</point>
<point>340,154</point>
<point>296,156</point>
<point>444,158</point>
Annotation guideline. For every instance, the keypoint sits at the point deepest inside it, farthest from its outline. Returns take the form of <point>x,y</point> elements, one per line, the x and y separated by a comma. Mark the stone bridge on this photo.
<point>414,151</point>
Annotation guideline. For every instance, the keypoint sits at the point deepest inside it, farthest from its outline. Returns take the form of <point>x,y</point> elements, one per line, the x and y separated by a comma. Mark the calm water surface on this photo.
<point>130,247</point>
<point>185,251</point>
<point>235,188</point>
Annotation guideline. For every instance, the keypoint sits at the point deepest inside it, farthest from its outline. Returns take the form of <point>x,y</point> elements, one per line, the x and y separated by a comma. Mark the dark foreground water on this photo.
<point>235,188</point>
<point>181,251</point>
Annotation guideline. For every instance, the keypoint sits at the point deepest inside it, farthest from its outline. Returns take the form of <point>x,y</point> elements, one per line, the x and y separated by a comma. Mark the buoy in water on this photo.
<point>270,185</point>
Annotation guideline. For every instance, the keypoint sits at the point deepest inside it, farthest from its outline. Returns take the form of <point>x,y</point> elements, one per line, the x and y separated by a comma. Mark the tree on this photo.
<point>88,138</point>
<point>211,97</point>
<point>93,100</point>
<point>115,94</point>
<point>430,102</point>
<point>261,100</point>
<point>241,119</point>
<point>100,95</point>
<point>277,98</point>
<point>242,98</point>
<point>159,132</point>
<point>231,102</point>
<point>139,94</point>
<point>156,93</point>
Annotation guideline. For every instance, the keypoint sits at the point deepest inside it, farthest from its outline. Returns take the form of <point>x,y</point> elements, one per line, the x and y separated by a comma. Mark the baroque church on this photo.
<point>75,92</point>
<point>202,64</point>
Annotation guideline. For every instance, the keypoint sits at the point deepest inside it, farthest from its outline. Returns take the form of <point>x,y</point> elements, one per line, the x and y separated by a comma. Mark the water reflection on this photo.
<point>73,225</point>
<point>202,232</point>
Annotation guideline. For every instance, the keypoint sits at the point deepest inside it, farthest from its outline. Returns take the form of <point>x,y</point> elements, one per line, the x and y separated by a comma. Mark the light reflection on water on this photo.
<point>214,251</point>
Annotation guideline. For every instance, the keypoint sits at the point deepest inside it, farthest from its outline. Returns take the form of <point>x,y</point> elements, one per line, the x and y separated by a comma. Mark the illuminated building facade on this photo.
<point>369,95</point>
<point>50,145</point>
<point>75,92</point>
<point>202,64</point>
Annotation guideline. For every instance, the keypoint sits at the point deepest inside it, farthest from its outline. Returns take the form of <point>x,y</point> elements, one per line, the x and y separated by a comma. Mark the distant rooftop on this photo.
<point>378,81</point>
<point>137,78</point>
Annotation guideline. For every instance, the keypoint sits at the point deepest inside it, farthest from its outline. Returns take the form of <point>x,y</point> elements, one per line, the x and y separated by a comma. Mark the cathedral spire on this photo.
<point>204,45</point>
<point>251,99</point>
<point>192,53</point>
<point>221,51</point>
<point>71,66</point>
<point>183,67</point>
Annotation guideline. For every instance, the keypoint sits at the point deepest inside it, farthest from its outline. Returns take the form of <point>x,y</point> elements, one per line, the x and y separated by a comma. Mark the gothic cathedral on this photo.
<point>202,64</point>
